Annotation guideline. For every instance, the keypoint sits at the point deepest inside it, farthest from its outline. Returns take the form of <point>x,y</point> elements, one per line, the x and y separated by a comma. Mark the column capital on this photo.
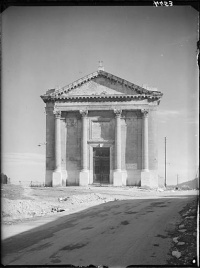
<point>118,112</point>
<point>84,113</point>
<point>145,112</point>
<point>57,113</point>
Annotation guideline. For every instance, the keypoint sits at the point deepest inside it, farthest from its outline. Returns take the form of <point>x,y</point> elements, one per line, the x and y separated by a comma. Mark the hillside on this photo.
<point>193,184</point>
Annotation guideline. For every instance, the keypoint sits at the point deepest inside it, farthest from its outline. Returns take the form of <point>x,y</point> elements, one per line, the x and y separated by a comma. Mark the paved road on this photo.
<point>117,234</point>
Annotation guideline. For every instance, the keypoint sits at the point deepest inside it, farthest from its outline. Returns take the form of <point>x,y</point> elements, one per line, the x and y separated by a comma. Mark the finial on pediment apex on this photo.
<point>145,112</point>
<point>100,68</point>
<point>83,112</point>
<point>57,113</point>
<point>117,112</point>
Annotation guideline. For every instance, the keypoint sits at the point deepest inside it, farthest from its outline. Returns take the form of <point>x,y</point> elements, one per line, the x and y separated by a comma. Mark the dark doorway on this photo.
<point>101,162</point>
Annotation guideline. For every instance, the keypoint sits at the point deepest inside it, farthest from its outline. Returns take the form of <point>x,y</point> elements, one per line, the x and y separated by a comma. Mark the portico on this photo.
<point>101,129</point>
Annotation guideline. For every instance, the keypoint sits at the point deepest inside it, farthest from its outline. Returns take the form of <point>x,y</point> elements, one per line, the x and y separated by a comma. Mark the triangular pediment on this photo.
<point>99,84</point>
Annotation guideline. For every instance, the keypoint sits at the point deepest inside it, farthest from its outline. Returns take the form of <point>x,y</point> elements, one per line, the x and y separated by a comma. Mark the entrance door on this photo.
<point>101,162</point>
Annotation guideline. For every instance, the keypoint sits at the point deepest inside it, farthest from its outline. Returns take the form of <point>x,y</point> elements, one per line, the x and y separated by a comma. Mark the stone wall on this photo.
<point>132,146</point>
<point>71,155</point>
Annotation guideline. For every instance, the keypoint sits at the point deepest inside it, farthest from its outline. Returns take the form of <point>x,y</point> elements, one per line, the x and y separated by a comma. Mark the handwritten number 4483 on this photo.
<point>163,3</point>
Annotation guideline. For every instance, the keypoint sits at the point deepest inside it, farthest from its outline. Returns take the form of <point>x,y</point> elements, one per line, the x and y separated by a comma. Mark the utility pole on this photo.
<point>177,179</point>
<point>165,162</point>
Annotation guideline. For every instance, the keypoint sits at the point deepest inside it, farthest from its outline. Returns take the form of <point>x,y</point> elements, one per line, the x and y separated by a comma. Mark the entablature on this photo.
<point>105,106</point>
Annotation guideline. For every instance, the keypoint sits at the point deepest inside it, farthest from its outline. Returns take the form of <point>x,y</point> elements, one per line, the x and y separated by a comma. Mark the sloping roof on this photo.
<point>66,93</point>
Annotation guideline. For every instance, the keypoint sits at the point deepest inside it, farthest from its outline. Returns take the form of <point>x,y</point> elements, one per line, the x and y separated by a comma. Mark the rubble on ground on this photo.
<point>185,240</point>
<point>176,254</point>
<point>24,209</point>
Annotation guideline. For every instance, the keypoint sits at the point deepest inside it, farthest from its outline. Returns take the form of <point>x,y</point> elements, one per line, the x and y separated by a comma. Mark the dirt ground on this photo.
<point>20,204</point>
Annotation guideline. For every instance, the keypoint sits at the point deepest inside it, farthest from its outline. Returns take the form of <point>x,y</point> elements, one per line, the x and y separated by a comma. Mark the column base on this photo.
<point>84,178</point>
<point>57,178</point>
<point>149,179</point>
<point>64,177</point>
<point>119,178</point>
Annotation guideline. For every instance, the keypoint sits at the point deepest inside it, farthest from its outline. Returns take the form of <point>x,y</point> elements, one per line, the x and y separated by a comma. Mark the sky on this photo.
<point>46,47</point>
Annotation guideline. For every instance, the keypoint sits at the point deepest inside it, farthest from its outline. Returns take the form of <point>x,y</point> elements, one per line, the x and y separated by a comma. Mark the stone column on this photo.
<point>57,174</point>
<point>145,137</point>
<point>57,141</point>
<point>118,151</point>
<point>84,174</point>
<point>84,139</point>
<point>118,176</point>
<point>145,175</point>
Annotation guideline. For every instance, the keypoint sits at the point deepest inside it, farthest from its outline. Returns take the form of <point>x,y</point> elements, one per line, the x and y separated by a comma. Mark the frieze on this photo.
<point>69,107</point>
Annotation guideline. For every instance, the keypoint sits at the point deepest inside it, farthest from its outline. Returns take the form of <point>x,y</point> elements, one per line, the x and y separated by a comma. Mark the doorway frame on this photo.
<point>91,164</point>
<point>107,150</point>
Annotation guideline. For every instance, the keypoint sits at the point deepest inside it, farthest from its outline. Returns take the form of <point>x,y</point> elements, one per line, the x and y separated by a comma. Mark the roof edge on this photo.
<point>101,97</point>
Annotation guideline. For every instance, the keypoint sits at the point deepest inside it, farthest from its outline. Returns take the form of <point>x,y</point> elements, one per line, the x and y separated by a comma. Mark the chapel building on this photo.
<point>101,129</point>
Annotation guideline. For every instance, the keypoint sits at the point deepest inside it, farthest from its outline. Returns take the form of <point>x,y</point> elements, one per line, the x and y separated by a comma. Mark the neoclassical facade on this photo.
<point>101,129</point>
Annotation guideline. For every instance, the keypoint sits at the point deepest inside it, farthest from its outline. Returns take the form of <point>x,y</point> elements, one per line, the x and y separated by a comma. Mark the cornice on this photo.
<point>97,98</point>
